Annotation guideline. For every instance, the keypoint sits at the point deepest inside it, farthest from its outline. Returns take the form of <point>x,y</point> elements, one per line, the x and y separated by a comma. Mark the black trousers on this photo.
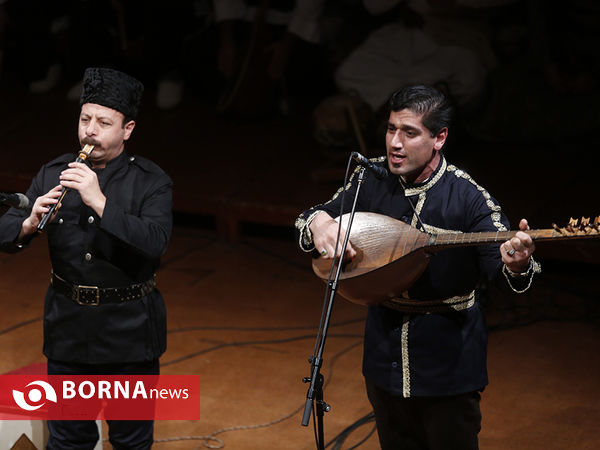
<point>426,423</point>
<point>83,434</point>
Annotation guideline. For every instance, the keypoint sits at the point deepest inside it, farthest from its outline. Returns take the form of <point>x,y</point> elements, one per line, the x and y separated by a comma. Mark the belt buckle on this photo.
<point>94,301</point>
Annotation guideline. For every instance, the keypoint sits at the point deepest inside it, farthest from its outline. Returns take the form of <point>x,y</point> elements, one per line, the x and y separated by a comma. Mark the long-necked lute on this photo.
<point>391,255</point>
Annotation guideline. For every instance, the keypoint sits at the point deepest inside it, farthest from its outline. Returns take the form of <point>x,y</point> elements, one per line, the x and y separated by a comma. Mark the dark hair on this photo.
<point>432,104</point>
<point>126,120</point>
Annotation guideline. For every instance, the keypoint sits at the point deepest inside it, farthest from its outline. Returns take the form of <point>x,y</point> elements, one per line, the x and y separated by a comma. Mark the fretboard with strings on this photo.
<point>391,255</point>
<point>574,230</point>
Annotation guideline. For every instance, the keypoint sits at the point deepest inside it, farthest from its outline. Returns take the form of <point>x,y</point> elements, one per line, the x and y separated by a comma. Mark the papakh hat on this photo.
<point>113,89</point>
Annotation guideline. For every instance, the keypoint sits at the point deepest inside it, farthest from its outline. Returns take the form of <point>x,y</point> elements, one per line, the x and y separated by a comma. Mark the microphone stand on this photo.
<point>314,395</point>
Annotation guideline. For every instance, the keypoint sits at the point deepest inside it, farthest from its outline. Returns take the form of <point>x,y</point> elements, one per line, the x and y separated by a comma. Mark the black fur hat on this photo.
<point>113,89</point>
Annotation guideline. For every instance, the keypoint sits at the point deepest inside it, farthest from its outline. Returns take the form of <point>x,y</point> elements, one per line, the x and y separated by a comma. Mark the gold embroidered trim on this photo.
<point>461,302</point>
<point>435,230</point>
<point>407,305</point>
<point>306,239</point>
<point>430,183</point>
<point>405,363</point>
<point>418,208</point>
<point>300,223</point>
<point>495,215</point>
<point>344,188</point>
<point>458,303</point>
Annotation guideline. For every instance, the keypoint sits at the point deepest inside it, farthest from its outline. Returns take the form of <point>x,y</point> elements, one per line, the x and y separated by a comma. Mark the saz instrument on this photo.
<point>392,255</point>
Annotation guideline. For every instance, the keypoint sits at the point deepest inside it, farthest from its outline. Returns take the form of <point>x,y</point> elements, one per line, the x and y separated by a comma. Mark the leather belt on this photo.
<point>94,295</point>
<point>411,306</point>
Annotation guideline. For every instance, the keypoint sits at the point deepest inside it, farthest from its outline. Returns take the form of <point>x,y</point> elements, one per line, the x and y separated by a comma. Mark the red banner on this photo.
<point>99,397</point>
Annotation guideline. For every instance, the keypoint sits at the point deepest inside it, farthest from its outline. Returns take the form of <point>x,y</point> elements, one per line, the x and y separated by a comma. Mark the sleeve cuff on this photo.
<point>305,240</point>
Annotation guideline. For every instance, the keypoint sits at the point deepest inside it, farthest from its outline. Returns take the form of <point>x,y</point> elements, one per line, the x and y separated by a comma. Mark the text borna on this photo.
<point>117,389</point>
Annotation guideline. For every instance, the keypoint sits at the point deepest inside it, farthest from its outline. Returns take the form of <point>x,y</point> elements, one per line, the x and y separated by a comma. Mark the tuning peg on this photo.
<point>595,227</point>
<point>585,221</point>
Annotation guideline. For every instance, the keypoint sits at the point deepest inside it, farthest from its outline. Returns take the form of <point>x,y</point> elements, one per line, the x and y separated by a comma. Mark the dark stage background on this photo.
<point>243,303</point>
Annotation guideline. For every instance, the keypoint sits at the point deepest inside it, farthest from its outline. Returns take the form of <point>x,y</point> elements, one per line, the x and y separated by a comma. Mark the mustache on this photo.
<point>89,141</point>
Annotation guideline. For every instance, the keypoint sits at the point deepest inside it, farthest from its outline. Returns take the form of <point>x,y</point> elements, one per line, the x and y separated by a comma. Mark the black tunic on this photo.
<point>121,248</point>
<point>435,353</point>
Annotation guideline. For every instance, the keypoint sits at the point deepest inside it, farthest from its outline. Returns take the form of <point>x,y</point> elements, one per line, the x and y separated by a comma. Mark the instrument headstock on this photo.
<point>579,228</point>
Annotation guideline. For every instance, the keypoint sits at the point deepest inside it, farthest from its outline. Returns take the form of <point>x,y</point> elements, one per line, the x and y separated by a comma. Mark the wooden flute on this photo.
<point>83,155</point>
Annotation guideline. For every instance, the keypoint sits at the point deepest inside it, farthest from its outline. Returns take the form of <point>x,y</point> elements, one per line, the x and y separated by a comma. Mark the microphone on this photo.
<point>19,201</point>
<point>379,172</point>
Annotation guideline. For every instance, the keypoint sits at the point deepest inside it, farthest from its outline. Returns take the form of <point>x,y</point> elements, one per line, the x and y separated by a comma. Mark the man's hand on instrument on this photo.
<point>84,180</point>
<point>518,249</point>
<point>41,206</point>
<point>325,231</point>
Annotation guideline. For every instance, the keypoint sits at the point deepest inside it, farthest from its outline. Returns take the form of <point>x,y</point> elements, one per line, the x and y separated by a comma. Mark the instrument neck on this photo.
<point>448,240</point>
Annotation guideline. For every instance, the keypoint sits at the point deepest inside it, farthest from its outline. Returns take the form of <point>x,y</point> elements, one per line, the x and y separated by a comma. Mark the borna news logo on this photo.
<point>90,397</point>
<point>35,396</point>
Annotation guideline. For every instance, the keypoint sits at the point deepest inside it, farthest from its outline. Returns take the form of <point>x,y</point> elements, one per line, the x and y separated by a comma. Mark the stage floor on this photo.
<point>243,304</point>
<point>244,315</point>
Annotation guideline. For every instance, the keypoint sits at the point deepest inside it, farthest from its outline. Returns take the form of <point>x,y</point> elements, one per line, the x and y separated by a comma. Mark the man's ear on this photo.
<point>129,126</point>
<point>440,138</point>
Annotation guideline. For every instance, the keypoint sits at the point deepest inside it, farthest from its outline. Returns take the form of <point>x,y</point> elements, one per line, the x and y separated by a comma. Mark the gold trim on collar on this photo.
<point>429,183</point>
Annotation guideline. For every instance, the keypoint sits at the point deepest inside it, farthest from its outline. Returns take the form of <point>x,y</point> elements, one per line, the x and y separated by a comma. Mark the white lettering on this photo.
<point>81,389</point>
<point>104,389</point>
<point>176,393</point>
<point>140,389</point>
<point>166,394</point>
<point>120,389</point>
<point>68,389</point>
<point>124,390</point>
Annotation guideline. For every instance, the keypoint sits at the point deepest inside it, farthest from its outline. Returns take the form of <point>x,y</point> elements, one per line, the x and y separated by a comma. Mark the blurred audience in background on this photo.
<point>443,43</point>
<point>29,42</point>
<point>548,65</point>
<point>268,53</point>
<point>501,61</point>
<point>436,42</point>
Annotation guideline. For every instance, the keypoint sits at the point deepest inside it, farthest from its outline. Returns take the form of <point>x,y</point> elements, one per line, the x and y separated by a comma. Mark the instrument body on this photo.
<point>82,157</point>
<point>392,255</point>
<point>379,241</point>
